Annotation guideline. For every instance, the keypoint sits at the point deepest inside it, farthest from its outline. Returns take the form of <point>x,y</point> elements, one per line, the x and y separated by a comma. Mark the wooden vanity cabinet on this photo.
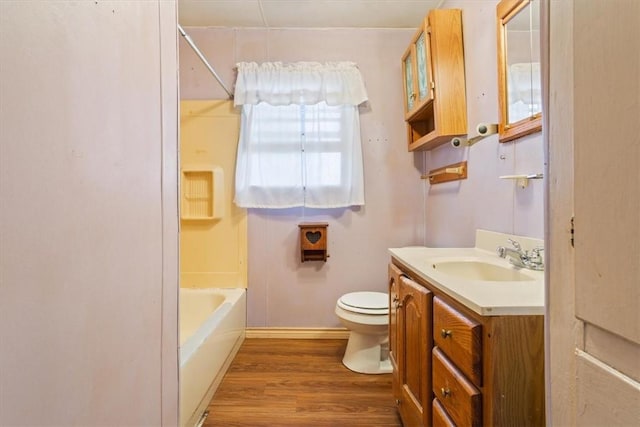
<point>461,400</point>
<point>433,81</point>
<point>394,302</point>
<point>410,344</point>
<point>460,338</point>
<point>440,416</point>
<point>483,370</point>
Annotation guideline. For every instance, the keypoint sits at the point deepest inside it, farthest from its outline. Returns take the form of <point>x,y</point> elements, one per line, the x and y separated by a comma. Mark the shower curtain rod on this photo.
<point>203,59</point>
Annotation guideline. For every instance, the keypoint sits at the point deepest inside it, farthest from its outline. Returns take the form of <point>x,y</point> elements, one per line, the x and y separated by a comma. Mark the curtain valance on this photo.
<point>302,83</point>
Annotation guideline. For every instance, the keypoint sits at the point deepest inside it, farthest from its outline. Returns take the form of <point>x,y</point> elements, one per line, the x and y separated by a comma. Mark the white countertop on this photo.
<point>487,298</point>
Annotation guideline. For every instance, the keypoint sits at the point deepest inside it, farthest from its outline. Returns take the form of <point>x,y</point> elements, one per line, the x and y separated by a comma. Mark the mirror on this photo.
<point>519,80</point>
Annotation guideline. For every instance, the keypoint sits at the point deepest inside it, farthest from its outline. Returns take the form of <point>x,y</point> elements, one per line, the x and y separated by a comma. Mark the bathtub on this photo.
<point>212,327</point>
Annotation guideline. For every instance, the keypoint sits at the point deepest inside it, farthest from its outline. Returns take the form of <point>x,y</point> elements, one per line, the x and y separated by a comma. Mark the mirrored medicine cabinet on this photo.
<point>519,79</point>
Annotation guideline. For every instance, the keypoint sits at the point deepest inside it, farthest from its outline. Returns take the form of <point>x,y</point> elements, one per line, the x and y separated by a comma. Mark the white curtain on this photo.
<point>300,135</point>
<point>277,83</point>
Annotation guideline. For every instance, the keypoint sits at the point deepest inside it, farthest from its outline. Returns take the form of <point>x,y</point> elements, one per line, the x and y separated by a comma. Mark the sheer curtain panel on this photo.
<point>300,135</point>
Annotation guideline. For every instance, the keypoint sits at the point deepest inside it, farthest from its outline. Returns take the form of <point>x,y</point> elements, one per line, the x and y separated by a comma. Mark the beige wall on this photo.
<point>88,231</point>
<point>213,252</point>
<point>401,209</point>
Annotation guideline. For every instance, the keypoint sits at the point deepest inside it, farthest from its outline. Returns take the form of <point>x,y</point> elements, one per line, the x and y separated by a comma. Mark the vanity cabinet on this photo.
<point>394,302</point>
<point>433,81</point>
<point>440,417</point>
<point>410,344</point>
<point>478,370</point>
<point>461,400</point>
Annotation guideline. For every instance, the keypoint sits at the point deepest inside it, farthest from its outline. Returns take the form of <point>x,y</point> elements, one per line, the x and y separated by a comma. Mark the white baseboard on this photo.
<point>298,333</point>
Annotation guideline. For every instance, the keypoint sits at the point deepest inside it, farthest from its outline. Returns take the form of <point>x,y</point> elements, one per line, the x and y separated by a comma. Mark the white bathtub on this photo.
<point>212,327</point>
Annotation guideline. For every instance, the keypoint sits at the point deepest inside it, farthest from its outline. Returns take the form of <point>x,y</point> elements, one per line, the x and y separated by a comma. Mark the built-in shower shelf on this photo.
<point>202,193</point>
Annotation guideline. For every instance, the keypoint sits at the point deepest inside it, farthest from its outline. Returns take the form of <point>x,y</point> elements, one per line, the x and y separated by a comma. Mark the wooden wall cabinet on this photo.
<point>477,370</point>
<point>433,81</point>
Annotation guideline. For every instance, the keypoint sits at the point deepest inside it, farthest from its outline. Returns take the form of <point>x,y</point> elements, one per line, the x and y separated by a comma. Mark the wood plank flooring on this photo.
<point>298,382</point>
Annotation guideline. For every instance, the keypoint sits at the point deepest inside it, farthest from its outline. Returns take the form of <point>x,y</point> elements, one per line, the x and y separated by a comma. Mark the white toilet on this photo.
<point>366,315</point>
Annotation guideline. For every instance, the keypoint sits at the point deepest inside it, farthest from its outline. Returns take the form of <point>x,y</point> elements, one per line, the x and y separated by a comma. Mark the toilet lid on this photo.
<point>372,302</point>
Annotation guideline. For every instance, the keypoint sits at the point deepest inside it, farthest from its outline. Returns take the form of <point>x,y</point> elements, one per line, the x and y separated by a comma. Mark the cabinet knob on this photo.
<point>446,333</point>
<point>412,96</point>
<point>445,392</point>
<point>397,401</point>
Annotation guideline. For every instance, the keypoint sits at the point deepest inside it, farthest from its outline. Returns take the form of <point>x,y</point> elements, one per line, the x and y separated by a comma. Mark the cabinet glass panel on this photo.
<point>422,66</point>
<point>408,81</point>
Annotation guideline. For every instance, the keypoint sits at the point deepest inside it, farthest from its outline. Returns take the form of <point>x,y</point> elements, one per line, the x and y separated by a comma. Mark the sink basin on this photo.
<point>480,270</point>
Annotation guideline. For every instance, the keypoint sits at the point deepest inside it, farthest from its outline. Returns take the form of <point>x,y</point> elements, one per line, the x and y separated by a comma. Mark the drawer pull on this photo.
<point>445,392</point>
<point>446,333</point>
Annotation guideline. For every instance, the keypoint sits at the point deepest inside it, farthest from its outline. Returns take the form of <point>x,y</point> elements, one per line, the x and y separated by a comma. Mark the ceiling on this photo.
<point>305,13</point>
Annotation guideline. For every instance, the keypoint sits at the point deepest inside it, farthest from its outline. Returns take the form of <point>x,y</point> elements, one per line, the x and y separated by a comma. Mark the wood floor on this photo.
<point>295,382</point>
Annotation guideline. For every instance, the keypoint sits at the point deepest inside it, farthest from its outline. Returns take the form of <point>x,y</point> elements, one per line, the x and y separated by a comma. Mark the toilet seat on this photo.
<point>365,302</point>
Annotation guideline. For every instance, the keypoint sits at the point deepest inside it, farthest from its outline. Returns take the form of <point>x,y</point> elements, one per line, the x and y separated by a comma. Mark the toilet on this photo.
<point>366,315</point>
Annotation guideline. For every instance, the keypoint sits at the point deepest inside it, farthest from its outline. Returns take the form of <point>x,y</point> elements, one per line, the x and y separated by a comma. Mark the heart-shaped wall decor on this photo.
<point>313,236</point>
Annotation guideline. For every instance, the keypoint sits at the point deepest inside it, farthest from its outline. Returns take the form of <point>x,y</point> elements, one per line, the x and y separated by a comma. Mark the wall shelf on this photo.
<point>202,193</point>
<point>452,172</point>
<point>523,180</point>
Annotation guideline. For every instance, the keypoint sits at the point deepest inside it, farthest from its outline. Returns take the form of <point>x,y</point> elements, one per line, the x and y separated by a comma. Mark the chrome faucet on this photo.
<point>522,259</point>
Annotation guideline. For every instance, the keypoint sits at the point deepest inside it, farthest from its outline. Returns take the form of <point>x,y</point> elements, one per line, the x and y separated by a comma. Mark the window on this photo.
<point>299,154</point>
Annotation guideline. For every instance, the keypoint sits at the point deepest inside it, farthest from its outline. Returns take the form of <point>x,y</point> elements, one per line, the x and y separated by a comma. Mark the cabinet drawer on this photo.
<point>440,416</point>
<point>461,399</point>
<point>460,338</point>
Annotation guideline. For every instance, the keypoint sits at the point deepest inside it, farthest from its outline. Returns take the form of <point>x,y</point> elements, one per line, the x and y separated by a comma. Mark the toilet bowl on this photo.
<point>366,315</point>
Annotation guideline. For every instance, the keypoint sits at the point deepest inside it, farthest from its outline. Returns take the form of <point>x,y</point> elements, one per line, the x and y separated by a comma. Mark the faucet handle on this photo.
<point>535,252</point>
<point>536,258</point>
<point>515,244</point>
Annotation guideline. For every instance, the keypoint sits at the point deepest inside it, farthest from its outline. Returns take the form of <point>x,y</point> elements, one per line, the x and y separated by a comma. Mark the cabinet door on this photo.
<point>414,317</point>
<point>410,80</point>
<point>423,67</point>
<point>593,288</point>
<point>416,66</point>
<point>394,302</point>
